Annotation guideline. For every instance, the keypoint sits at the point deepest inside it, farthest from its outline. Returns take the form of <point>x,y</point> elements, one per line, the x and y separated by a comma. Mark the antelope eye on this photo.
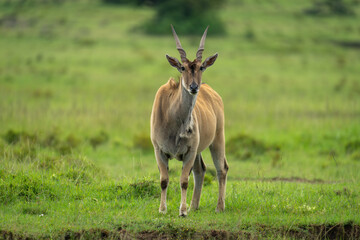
<point>182,68</point>
<point>201,68</point>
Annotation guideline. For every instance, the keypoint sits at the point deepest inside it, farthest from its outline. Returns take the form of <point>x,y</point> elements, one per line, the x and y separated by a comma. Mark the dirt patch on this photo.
<point>295,179</point>
<point>337,231</point>
<point>284,179</point>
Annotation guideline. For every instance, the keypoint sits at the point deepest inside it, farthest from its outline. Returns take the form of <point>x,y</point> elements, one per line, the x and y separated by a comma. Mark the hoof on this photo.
<point>182,211</point>
<point>162,210</point>
<point>220,207</point>
<point>194,207</point>
<point>218,210</point>
<point>183,214</point>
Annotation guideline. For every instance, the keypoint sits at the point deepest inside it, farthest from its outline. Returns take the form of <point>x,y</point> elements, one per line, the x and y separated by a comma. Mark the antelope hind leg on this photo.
<point>199,174</point>
<point>217,150</point>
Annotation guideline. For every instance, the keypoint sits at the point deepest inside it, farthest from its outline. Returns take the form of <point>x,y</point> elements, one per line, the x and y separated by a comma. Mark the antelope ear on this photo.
<point>175,63</point>
<point>208,62</point>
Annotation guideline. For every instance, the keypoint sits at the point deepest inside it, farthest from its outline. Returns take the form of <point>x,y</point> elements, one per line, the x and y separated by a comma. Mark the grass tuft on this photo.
<point>99,139</point>
<point>26,187</point>
<point>244,147</point>
<point>34,210</point>
<point>144,188</point>
<point>14,137</point>
<point>352,147</point>
<point>142,142</point>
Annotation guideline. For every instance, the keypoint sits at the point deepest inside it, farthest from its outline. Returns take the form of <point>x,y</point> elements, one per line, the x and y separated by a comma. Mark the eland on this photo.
<point>188,117</point>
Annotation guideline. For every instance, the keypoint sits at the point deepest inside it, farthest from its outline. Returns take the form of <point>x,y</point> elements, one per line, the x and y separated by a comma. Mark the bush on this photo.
<point>331,7</point>
<point>188,17</point>
<point>132,2</point>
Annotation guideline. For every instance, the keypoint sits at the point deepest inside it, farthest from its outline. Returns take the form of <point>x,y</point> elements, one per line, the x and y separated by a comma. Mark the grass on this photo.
<point>77,82</point>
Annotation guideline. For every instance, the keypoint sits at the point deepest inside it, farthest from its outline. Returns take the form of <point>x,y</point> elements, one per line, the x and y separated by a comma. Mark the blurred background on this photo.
<point>78,78</point>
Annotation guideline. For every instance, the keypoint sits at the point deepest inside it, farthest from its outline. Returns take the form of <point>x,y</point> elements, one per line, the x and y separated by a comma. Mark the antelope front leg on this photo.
<point>162,162</point>
<point>184,180</point>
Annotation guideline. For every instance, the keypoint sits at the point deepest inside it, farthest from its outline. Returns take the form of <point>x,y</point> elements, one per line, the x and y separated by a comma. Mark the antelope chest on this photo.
<point>175,146</point>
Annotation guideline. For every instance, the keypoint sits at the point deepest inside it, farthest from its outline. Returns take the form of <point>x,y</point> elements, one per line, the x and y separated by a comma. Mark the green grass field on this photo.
<point>77,83</point>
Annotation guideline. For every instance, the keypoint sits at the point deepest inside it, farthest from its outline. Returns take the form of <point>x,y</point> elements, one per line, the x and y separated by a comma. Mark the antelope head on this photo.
<point>191,71</point>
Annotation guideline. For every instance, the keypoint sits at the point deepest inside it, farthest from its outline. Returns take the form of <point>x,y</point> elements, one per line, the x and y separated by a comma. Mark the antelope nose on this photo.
<point>194,88</point>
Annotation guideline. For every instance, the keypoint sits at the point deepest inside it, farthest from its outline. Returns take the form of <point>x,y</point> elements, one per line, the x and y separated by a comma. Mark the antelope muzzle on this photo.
<point>194,88</point>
